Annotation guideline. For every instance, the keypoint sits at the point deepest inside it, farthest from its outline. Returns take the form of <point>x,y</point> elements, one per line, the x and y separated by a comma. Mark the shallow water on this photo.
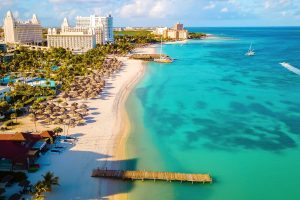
<point>216,111</point>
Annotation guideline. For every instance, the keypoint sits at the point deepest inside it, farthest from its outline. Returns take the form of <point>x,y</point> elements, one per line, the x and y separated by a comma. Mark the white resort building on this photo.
<point>88,32</point>
<point>74,39</point>
<point>96,22</point>
<point>22,32</point>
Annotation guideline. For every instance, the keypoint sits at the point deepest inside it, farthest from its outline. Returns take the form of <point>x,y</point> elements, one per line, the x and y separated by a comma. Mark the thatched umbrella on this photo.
<point>65,116</point>
<point>65,95</point>
<point>83,106</point>
<point>56,108</point>
<point>45,116</point>
<point>94,95</point>
<point>82,122</point>
<point>72,112</point>
<point>48,112</point>
<point>74,104</point>
<point>58,121</point>
<point>65,104</point>
<point>78,115</point>
<point>48,120</point>
<point>73,108</point>
<point>39,112</point>
<point>62,110</point>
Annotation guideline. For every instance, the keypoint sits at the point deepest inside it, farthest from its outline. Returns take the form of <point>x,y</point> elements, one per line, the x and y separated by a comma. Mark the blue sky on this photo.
<point>162,12</point>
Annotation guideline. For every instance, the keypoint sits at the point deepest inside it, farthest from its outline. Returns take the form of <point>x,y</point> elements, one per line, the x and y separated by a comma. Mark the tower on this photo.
<point>64,25</point>
<point>34,19</point>
<point>8,26</point>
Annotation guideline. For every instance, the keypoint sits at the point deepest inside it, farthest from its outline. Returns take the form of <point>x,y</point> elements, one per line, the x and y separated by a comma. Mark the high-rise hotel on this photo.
<point>96,22</point>
<point>88,32</point>
<point>22,32</point>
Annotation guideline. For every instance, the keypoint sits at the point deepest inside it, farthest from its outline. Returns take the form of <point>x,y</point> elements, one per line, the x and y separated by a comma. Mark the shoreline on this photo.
<point>123,120</point>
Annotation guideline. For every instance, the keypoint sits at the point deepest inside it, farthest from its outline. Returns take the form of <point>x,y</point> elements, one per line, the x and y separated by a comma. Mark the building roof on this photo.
<point>47,134</point>
<point>29,137</point>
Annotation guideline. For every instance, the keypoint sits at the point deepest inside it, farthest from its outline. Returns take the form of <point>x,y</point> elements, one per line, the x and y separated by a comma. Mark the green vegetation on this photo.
<point>137,37</point>
<point>45,185</point>
<point>133,33</point>
<point>197,35</point>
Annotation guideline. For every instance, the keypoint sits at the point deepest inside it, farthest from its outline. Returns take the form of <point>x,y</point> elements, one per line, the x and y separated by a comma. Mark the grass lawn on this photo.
<point>133,32</point>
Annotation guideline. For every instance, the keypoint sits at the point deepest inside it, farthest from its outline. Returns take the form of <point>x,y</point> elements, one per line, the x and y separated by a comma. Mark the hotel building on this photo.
<point>88,32</point>
<point>74,39</point>
<point>96,22</point>
<point>175,33</point>
<point>19,32</point>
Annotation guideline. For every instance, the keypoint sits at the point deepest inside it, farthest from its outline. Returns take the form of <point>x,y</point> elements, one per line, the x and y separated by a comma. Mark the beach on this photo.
<point>101,142</point>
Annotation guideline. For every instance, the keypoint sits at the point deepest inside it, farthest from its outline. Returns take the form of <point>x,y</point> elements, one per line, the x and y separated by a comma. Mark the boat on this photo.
<point>162,58</point>
<point>250,52</point>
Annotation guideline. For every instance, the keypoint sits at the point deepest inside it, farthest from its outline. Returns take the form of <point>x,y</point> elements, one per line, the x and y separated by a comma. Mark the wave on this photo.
<point>290,67</point>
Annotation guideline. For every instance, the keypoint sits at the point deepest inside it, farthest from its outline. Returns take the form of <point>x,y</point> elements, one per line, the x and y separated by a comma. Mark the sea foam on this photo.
<point>290,67</point>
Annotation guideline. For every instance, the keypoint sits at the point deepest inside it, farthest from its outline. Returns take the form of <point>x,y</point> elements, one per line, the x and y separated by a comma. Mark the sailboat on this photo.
<point>250,52</point>
<point>162,58</point>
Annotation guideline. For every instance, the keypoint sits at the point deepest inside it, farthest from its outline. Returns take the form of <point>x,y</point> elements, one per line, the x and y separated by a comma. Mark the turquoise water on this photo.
<point>216,111</point>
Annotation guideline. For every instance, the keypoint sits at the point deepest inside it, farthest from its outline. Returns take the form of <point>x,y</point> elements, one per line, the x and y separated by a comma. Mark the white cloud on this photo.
<point>146,8</point>
<point>5,2</point>
<point>211,5</point>
<point>224,10</point>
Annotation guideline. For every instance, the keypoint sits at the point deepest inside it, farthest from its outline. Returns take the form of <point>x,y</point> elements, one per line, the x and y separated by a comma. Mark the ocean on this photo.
<point>215,110</point>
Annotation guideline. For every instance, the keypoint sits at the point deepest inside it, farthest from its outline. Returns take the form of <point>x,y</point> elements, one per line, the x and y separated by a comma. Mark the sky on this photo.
<point>201,13</point>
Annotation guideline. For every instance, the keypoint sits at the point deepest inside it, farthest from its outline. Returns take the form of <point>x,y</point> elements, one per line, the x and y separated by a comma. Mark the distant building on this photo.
<point>177,33</point>
<point>18,32</point>
<point>160,30</point>
<point>105,24</point>
<point>74,39</point>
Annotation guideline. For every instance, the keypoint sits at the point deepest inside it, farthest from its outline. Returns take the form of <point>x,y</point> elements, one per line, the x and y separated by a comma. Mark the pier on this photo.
<point>149,175</point>
<point>147,57</point>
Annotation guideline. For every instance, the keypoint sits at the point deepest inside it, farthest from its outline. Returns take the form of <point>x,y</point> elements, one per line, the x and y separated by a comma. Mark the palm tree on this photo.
<point>34,119</point>
<point>58,130</point>
<point>39,189</point>
<point>50,180</point>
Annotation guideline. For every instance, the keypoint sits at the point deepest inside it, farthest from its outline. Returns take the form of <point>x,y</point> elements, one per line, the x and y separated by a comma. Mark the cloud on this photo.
<point>224,10</point>
<point>211,5</point>
<point>146,8</point>
<point>5,2</point>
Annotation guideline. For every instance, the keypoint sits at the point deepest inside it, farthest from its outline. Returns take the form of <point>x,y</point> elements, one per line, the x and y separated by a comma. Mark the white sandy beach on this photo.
<point>100,142</point>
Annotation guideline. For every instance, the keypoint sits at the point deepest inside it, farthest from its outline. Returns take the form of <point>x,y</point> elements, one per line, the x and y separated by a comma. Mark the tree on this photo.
<point>16,107</point>
<point>58,130</point>
<point>39,189</point>
<point>4,107</point>
<point>49,180</point>
<point>34,119</point>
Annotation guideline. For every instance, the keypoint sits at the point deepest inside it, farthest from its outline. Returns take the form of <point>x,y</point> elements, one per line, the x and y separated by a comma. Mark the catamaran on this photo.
<point>162,58</point>
<point>250,52</point>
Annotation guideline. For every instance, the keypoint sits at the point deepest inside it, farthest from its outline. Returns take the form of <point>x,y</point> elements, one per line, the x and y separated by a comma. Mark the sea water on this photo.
<point>215,110</point>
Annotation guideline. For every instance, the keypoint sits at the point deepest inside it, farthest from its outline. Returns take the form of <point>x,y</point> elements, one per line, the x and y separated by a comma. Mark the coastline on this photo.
<point>101,142</point>
<point>123,120</point>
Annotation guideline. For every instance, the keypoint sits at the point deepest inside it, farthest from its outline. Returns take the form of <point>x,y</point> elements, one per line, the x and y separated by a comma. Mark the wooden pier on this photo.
<point>147,57</point>
<point>148,175</point>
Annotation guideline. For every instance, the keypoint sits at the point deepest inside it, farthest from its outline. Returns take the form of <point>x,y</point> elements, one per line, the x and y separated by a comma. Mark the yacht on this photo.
<point>250,52</point>
<point>162,58</point>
